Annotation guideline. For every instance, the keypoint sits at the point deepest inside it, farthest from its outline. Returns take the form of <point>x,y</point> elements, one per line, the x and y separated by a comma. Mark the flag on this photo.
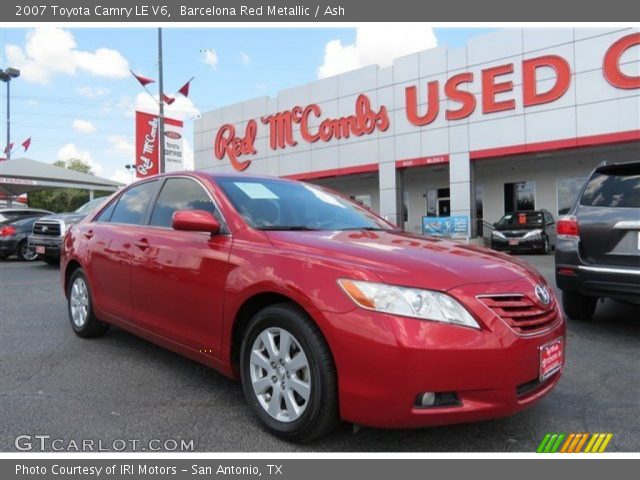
<point>26,144</point>
<point>8,148</point>
<point>184,90</point>
<point>167,99</point>
<point>144,81</point>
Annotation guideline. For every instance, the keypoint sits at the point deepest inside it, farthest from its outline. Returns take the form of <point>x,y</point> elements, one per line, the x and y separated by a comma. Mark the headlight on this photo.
<point>497,233</point>
<point>533,233</point>
<point>409,302</point>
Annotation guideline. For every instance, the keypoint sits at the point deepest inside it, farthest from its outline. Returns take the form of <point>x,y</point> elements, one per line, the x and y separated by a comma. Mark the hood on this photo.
<point>67,218</point>
<point>407,259</point>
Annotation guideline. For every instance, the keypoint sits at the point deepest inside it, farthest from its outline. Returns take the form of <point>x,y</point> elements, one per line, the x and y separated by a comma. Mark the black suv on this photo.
<point>598,247</point>
<point>525,231</point>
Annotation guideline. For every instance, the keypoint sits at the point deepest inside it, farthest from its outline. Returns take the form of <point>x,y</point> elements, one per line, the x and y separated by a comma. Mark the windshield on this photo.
<point>521,218</point>
<point>91,205</point>
<point>271,204</point>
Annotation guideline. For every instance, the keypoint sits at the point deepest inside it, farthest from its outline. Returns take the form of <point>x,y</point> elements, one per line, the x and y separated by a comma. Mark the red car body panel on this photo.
<point>183,290</point>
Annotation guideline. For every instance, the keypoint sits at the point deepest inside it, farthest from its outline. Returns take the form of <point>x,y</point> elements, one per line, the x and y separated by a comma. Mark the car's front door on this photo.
<point>179,278</point>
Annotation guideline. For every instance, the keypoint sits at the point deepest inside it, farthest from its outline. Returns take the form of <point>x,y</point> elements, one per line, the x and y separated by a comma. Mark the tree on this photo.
<point>64,199</point>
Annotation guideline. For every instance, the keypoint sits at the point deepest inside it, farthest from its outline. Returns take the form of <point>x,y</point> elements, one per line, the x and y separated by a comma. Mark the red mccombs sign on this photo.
<point>147,131</point>
<point>365,119</point>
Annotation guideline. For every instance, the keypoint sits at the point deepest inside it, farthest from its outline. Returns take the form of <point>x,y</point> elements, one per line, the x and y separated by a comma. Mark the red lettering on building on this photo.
<point>611,64</point>
<point>530,94</point>
<point>433,104</point>
<point>491,87</point>
<point>465,98</point>
<point>227,144</point>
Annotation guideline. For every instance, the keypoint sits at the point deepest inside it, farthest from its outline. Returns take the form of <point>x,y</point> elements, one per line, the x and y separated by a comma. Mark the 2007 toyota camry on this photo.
<point>324,310</point>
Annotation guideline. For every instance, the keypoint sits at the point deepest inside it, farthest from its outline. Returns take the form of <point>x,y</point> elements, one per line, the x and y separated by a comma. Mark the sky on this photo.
<point>76,98</point>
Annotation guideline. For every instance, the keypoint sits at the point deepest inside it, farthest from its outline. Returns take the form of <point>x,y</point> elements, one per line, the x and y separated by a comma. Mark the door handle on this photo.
<point>88,235</point>
<point>142,244</point>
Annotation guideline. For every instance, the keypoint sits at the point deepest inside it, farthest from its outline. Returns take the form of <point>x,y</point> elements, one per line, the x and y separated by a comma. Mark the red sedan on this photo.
<point>324,310</point>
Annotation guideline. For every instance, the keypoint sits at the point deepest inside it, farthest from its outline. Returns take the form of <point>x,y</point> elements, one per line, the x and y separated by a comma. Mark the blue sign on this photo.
<point>454,226</point>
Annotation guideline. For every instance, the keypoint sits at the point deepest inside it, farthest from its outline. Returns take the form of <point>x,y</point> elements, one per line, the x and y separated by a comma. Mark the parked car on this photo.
<point>323,309</point>
<point>525,231</point>
<point>49,231</point>
<point>14,236</point>
<point>598,250</point>
<point>10,213</point>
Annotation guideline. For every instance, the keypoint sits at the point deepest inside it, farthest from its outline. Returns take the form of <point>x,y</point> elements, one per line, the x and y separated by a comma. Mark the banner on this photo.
<point>147,156</point>
<point>456,226</point>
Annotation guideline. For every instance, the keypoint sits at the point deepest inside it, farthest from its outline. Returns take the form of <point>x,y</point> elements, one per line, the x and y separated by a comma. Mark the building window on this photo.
<point>568,190</point>
<point>519,196</point>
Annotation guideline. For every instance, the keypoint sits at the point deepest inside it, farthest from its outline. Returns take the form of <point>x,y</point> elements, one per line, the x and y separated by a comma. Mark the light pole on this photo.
<point>161,99</point>
<point>132,168</point>
<point>6,76</point>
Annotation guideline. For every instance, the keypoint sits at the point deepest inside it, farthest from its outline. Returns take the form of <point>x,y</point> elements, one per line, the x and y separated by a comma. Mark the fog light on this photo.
<point>426,399</point>
<point>437,399</point>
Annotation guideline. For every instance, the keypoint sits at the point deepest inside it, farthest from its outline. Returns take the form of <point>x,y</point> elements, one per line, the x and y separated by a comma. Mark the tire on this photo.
<point>577,306</point>
<point>53,261</point>
<point>24,253</point>
<point>80,308</point>
<point>316,415</point>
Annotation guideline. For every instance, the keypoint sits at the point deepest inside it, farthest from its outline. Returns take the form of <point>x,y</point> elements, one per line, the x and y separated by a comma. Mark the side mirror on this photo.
<point>195,221</point>
<point>495,224</point>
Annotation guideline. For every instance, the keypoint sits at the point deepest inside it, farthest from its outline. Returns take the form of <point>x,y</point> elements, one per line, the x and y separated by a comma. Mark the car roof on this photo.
<point>9,209</point>
<point>620,168</point>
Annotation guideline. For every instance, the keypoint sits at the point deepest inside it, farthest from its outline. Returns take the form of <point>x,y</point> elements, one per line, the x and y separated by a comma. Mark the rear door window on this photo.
<point>618,186</point>
<point>133,204</point>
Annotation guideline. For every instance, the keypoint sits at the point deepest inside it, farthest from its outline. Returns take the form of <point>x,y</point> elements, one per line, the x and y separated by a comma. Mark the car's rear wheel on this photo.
<point>577,306</point>
<point>288,375</point>
<point>80,307</point>
<point>25,252</point>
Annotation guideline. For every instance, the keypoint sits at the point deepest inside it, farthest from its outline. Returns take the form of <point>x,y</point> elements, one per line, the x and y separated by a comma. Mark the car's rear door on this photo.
<point>110,240</point>
<point>608,215</point>
<point>179,278</point>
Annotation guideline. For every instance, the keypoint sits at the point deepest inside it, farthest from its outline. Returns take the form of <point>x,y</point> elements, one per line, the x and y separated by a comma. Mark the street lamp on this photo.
<point>132,168</point>
<point>6,76</point>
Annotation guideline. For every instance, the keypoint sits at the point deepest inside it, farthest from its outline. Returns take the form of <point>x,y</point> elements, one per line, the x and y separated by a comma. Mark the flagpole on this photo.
<point>161,102</point>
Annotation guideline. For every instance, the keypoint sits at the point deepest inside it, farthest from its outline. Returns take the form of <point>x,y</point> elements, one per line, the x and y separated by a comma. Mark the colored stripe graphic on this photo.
<point>574,442</point>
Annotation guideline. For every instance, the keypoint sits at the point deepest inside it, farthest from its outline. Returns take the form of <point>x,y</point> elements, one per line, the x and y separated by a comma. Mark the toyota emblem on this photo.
<point>45,229</point>
<point>543,294</point>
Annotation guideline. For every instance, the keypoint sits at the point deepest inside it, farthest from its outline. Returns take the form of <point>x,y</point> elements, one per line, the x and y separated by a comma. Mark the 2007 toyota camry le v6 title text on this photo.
<point>324,310</point>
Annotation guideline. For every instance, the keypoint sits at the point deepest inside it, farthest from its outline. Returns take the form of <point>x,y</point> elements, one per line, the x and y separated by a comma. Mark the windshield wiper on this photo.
<point>289,228</point>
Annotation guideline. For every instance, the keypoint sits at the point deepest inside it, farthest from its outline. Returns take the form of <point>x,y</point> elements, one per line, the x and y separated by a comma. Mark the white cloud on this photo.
<point>51,50</point>
<point>92,92</point>
<point>120,144</point>
<point>71,151</point>
<point>183,108</point>
<point>122,176</point>
<point>245,59</point>
<point>83,126</point>
<point>187,155</point>
<point>376,44</point>
<point>210,57</point>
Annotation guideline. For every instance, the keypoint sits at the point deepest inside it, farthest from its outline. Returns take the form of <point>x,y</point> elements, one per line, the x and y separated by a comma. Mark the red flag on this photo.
<point>26,144</point>
<point>8,148</point>
<point>184,90</point>
<point>144,81</point>
<point>167,99</point>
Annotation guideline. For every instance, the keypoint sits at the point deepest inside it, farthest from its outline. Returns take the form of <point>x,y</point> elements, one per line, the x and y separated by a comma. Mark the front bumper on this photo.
<point>385,361</point>
<point>517,244</point>
<point>51,244</point>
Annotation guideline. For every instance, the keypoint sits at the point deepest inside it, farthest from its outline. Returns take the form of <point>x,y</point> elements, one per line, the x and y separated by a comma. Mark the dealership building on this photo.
<point>514,120</point>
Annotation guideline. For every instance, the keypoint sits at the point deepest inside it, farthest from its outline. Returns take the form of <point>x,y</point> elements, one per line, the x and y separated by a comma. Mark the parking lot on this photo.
<point>122,387</point>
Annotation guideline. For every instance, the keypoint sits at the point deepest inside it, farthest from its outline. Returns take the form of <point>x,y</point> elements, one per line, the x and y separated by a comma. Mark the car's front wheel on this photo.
<point>80,306</point>
<point>577,306</point>
<point>288,375</point>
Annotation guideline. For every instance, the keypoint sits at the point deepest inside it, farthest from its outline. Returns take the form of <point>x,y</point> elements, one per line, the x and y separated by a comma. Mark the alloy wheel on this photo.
<point>280,374</point>
<point>79,302</point>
